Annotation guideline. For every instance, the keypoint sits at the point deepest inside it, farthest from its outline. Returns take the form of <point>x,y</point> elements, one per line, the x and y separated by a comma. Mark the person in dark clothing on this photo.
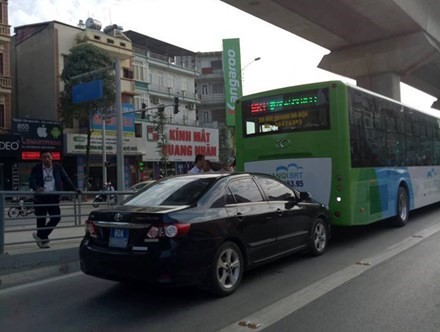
<point>47,177</point>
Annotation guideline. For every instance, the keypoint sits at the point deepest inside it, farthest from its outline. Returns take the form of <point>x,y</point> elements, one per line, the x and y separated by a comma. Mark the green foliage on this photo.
<point>159,122</point>
<point>85,58</point>
<point>226,148</point>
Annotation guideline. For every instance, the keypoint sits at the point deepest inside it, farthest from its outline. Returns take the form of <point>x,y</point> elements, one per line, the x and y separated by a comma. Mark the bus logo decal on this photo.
<point>283,143</point>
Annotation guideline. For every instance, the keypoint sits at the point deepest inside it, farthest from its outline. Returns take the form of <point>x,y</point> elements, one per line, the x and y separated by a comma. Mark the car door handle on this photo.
<point>280,212</point>
<point>239,216</point>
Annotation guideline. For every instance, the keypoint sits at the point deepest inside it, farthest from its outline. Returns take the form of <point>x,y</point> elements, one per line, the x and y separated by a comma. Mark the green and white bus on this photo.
<point>366,156</point>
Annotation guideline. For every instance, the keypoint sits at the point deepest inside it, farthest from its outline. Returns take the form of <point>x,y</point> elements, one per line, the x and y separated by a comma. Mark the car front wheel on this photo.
<point>227,269</point>
<point>319,238</point>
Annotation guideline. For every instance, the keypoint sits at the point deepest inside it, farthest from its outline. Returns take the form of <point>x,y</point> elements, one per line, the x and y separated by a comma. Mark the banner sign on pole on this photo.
<point>232,77</point>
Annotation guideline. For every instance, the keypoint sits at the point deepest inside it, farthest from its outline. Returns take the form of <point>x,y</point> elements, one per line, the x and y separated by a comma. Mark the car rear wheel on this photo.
<point>319,237</point>
<point>227,269</point>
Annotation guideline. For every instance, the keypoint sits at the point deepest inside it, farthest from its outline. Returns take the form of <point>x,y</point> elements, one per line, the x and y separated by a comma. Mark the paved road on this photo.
<point>389,290</point>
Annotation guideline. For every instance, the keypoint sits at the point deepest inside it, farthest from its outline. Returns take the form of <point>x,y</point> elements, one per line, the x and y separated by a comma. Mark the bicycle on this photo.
<point>21,210</point>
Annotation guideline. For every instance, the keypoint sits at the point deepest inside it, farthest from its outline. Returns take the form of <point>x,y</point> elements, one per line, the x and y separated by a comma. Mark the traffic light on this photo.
<point>176,105</point>
<point>144,106</point>
<point>141,166</point>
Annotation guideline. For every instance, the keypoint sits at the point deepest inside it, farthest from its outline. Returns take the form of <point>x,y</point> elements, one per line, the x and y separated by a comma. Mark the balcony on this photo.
<point>5,84</point>
<point>5,33</point>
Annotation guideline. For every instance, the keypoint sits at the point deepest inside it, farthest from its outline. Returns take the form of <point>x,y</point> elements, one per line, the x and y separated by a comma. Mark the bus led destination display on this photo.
<point>286,102</point>
<point>293,111</point>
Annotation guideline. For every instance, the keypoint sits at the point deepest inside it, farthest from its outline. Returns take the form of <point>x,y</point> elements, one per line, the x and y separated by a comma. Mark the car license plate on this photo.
<point>118,237</point>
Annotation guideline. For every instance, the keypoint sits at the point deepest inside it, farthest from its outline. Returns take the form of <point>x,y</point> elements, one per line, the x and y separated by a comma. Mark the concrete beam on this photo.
<point>399,55</point>
<point>387,84</point>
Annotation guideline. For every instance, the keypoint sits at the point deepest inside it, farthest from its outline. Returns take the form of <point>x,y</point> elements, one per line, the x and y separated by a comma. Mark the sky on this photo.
<point>200,26</point>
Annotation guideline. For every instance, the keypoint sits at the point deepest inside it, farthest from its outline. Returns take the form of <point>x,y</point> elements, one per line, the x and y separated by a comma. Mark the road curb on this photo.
<point>24,268</point>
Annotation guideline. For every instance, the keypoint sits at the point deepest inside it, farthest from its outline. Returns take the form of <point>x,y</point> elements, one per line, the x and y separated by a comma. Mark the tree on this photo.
<point>159,123</point>
<point>85,58</point>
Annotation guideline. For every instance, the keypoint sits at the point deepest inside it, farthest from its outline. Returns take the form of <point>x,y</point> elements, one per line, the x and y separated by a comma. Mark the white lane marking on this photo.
<point>39,283</point>
<point>284,307</point>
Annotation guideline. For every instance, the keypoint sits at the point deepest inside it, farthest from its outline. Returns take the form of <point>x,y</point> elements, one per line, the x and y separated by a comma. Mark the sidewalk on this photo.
<point>25,262</point>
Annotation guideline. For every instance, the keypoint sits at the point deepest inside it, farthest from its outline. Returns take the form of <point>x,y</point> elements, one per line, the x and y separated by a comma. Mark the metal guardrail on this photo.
<point>18,221</point>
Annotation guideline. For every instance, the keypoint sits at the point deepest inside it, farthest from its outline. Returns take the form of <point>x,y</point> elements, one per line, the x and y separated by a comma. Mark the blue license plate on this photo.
<point>118,238</point>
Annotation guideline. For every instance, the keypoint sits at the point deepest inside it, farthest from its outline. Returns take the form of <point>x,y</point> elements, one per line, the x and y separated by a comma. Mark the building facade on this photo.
<point>153,74</point>
<point>8,142</point>
<point>39,53</point>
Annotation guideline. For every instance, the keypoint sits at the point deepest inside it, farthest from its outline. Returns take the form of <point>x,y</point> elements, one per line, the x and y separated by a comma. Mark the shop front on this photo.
<point>77,160</point>
<point>32,136</point>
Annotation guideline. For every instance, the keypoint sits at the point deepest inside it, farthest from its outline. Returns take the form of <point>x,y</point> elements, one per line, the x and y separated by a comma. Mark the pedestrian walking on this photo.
<point>46,178</point>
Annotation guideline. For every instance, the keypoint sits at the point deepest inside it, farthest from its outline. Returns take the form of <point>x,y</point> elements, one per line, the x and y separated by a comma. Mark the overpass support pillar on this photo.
<point>387,84</point>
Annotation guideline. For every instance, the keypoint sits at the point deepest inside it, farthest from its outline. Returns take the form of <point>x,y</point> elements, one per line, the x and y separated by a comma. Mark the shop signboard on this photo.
<point>184,143</point>
<point>77,144</point>
<point>10,145</point>
<point>38,134</point>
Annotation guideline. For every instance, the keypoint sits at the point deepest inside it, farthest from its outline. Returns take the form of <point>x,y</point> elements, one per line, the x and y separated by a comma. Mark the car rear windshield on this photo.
<point>174,191</point>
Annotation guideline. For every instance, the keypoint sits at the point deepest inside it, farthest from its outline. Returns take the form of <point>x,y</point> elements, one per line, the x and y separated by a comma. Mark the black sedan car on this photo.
<point>203,229</point>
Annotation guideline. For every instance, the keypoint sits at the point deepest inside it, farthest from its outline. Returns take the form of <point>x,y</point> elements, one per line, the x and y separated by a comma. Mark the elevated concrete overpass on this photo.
<point>379,43</point>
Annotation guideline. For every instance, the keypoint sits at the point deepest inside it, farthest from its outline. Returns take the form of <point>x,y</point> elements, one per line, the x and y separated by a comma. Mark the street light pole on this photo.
<point>104,152</point>
<point>256,59</point>
<point>119,129</point>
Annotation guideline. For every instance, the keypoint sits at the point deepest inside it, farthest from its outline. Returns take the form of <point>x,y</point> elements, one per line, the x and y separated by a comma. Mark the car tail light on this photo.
<point>90,228</point>
<point>171,231</point>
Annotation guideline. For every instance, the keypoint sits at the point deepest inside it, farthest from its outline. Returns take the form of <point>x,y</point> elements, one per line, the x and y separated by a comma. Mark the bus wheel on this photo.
<point>402,215</point>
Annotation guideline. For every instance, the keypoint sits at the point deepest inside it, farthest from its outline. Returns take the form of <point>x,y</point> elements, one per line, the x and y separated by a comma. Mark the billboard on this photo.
<point>184,143</point>
<point>37,134</point>
<point>232,77</point>
<point>111,124</point>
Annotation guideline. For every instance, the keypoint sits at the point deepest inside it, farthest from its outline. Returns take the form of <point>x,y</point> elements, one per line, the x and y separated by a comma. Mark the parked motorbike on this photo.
<point>103,199</point>
<point>23,209</point>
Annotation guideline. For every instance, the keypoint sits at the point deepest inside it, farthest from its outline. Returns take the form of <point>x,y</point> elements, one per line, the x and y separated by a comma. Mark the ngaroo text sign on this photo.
<point>232,77</point>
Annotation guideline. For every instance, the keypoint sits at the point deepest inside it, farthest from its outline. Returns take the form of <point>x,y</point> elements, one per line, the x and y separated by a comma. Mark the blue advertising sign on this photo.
<point>87,91</point>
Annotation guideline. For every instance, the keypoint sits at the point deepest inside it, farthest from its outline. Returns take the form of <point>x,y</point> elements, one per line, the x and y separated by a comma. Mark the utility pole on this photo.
<point>119,129</point>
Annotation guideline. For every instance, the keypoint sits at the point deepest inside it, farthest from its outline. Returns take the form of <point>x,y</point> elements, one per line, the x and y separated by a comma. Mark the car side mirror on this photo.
<point>304,195</point>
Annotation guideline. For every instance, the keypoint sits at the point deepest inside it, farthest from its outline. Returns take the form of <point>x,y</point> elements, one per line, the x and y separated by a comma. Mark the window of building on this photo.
<point>140,70</point>
<point>205,117</point>
<point>218,88</point>
<point>138,129</point>
<point>2,116</point>
<point>139,100</point>
<point>1,64</point>
<point>216,64</point>
<point>127,73</point>
<point>204,89</point>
